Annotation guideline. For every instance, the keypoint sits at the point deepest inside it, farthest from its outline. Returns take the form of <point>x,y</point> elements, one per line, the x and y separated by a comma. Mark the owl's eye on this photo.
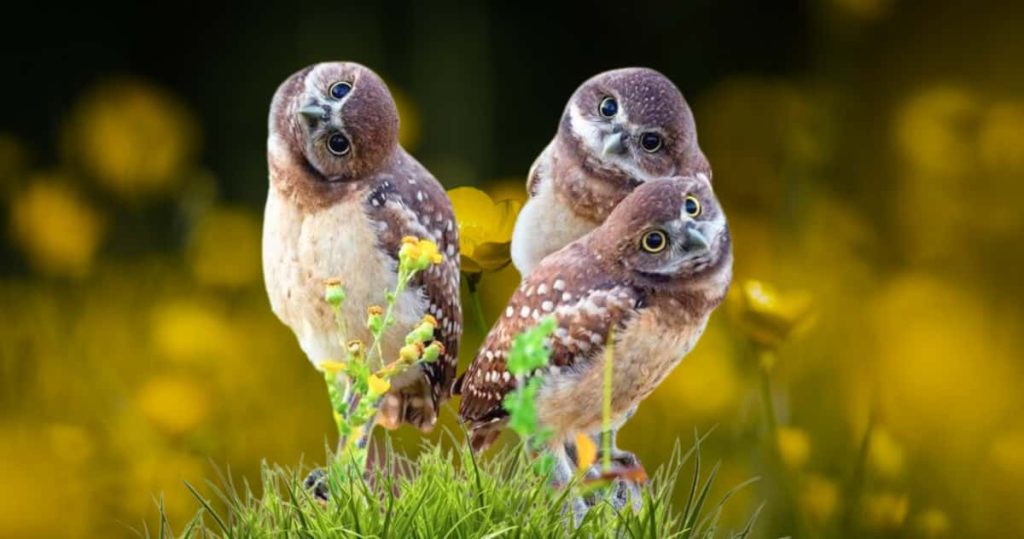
<point>654,241</point>
<point>340,89</point>
<point>609,107</point>
<point>338,144</point>
<point>692,206</point>
<point>650,142</point>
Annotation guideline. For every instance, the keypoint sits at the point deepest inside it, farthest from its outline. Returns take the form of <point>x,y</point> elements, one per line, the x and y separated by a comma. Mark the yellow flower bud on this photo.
<point>818,499</point>
<point>410,352</point>
<point>932,524</point>
<point>767,317</point>
<point>885,511</point>
<point>332,367</point>
<point>334,293</point>
<point>794,447</point>
<point>378,386</point>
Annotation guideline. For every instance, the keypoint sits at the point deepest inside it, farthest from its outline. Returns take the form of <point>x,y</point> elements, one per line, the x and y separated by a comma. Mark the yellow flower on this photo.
<point>794,446</point>
<point>885,455</point>
<point>134,138</point>
<point>818,499</point>
<point>378,386</point>
<point>485,229</point>
<point>332,367</point>
<point>932,131</point>
<point>26,506</point>
<point>174,404</point>
<point>885,511</point>
<point>925,330</point>
<point>419,253</point>
<point>766,316</point>
<point>56,227</point>
<point>224,248</point>
<point>191,331</point>
<point>931,524</point>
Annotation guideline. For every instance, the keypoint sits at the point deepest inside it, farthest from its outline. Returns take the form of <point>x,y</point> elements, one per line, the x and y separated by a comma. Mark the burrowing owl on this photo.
<point>342,195</point>
<point>649,276</point>
<point>619,129</point>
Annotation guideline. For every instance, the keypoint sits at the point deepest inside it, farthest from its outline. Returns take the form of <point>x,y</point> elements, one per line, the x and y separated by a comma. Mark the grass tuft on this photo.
<point>453,494</point>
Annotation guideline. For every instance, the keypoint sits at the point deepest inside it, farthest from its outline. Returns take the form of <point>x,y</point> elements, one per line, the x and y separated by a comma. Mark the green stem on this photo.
<point>856,485</point>
<point>403,280</point>
<point>606,407</point>
<point>766,360</point>
<point>473,283</point>
<point>770,421</point>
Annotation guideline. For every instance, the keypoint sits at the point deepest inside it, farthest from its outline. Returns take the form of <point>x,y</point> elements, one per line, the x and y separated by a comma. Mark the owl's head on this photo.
<point>636,121</point>
<point>339,117</point>
<point>669,229</point>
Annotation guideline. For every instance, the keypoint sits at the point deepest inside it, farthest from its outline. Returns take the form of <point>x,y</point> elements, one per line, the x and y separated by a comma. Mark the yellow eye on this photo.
<point>654,241</point>
<point>692,206</point>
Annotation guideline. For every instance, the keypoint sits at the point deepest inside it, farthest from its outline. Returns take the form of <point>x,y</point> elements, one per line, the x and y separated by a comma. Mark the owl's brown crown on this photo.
<point>338,118</point>
<point>647,107</point>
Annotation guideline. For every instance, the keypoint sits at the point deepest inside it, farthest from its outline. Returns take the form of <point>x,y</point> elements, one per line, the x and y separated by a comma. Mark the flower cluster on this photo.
<point>357,382</point>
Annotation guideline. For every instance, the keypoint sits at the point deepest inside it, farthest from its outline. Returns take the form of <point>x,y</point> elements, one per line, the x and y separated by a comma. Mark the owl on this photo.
<point>620,129</point>
<point>644,282</point>
<point>342,195</point>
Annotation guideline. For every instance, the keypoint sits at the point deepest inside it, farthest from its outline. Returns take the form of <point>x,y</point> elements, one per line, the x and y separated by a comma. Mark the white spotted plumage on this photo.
<point>604,289</point>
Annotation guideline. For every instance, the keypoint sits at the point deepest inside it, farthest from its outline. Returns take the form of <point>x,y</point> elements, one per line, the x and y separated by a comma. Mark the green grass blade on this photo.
<point>206,505</point>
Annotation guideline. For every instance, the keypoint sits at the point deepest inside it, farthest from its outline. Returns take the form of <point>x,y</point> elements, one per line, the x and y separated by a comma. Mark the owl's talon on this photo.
<point>626,493</point>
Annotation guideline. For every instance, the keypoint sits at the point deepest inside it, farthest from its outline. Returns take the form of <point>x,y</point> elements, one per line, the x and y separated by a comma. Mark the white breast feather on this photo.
<point>303,249</point>
<point>544,226</point>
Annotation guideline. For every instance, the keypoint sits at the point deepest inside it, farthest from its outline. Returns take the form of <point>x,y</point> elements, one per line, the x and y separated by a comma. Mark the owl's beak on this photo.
<point>695,239</point>
<point>613,144</point>
<point>313,112</point>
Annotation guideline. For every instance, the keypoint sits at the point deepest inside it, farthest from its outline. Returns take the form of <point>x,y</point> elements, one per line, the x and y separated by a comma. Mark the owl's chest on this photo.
<point>301,250</point>
<point>545,225</point>
<point>646,350</point>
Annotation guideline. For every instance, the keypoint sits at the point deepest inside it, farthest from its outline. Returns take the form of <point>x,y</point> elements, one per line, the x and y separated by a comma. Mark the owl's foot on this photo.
<point>626,477</point>
<point>626,493</point>
<point>412,404</point>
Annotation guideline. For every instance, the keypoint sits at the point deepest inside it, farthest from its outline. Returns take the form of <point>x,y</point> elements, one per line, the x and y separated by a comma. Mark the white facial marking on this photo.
<point>592,136</point>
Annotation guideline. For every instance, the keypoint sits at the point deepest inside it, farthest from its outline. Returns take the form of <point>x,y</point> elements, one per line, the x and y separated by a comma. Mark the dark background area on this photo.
<point>495,75</point>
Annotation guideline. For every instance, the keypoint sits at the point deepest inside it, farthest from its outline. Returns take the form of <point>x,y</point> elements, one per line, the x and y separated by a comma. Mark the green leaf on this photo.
<point>529,349</point>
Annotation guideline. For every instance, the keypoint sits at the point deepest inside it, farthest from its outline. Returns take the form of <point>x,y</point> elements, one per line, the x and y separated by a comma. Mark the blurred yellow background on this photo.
<point>869,154</point>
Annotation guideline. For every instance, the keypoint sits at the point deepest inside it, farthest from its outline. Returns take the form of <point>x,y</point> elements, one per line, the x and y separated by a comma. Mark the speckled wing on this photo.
<point>586,304</point>
<point>408,201</point>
